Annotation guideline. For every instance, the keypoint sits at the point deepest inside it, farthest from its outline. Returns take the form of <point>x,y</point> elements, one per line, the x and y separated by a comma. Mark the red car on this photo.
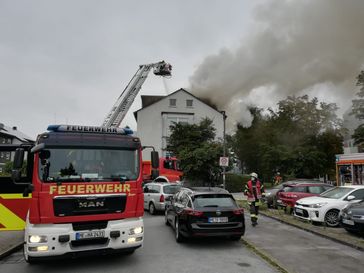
<point>291,193</point>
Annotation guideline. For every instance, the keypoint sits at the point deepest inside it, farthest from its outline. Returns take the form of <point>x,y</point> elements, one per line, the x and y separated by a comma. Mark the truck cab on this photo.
<point>86,192</point>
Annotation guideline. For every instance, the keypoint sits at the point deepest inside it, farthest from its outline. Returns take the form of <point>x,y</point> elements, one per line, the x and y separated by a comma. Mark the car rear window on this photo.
<point>211,200</point>
<point>316,189</point>
<point>171,189</point>
<point>296,189</point>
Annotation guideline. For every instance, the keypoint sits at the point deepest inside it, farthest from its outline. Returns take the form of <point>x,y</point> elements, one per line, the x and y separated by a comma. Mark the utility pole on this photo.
<point>224,149</point>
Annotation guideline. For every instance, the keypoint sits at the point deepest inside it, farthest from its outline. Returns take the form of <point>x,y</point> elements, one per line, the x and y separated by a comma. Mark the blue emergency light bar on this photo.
<point>89,129</point>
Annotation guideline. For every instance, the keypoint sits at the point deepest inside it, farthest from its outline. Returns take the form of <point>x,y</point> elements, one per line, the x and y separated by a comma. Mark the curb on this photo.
<point>315,232</point>
<point>11,250</point>
<point>265,256</point>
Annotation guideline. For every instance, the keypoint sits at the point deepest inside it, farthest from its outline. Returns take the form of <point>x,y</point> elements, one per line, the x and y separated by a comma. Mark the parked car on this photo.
<point>155,194</point>
<point>293,192</point>
<point>199,212</point>
<point>326,207</point>
<point>271,194</point>
<point>352,217</point>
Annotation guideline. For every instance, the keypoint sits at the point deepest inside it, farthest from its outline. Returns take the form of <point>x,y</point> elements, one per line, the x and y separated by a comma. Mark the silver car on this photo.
<point>155,194</point>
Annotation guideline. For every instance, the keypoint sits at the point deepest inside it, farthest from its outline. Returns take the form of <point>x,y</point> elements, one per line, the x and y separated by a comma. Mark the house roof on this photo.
<point>150,100</point>
<point>14,133</point>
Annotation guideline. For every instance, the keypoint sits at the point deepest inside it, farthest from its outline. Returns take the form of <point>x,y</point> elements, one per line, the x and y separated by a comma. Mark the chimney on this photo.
<point>15,128</point>
<point>1,125</point>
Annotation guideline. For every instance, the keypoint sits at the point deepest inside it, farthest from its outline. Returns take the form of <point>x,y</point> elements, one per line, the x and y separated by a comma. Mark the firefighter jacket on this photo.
<point>254,190</point>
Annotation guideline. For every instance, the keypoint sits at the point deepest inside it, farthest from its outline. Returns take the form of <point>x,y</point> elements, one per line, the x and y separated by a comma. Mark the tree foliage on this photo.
<point>358,104</point>
<point>299,139</point>
<point>197,151</point>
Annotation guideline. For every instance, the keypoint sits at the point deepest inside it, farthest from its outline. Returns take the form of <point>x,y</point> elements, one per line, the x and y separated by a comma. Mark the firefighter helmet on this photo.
<point>254,175</point>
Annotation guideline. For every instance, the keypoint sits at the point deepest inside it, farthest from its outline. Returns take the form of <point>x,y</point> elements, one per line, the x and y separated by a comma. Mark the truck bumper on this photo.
<point>59,240</point>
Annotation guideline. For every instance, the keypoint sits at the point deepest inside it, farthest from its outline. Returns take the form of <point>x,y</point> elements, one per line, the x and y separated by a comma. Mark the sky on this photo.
<point>66,62</point>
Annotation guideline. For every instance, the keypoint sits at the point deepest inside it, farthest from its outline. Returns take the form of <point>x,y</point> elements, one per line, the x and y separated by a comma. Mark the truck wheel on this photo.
<point>332,218</point>
<point>152,209</point>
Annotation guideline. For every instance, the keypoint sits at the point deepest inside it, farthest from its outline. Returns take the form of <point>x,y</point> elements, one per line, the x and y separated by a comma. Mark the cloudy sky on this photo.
<point>68,61</point>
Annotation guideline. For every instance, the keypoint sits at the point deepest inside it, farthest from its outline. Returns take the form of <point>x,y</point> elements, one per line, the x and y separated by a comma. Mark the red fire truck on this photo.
<point>86,191</point>
<point>168,170</point>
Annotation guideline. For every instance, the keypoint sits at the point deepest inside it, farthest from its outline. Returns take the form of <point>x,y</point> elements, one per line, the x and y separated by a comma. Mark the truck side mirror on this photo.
<point>17,164</point>
<point>18,159</point>
<point>155,159</point>
<point>16,175</point>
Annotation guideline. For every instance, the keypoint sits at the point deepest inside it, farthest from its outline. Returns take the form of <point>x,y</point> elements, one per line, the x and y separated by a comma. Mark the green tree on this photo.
<point>197,151</point>
<point>298,139</point>
<point>358,137</point>
<point>358,104</point>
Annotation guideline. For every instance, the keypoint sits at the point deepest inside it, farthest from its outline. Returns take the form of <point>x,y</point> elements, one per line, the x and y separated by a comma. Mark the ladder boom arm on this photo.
<point>126,99</point>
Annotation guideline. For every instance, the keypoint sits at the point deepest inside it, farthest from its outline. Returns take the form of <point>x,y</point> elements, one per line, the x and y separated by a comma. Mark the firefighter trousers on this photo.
<point>254,211</point>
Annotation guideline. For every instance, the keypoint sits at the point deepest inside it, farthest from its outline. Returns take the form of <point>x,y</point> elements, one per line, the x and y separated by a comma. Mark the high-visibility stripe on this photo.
<point>9,220</point>
<point>13,196</point>
<point>253,216</point>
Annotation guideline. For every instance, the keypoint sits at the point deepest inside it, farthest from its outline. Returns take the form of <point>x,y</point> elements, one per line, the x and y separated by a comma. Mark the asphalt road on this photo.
<point>160,254</point>
<point>303,252</point>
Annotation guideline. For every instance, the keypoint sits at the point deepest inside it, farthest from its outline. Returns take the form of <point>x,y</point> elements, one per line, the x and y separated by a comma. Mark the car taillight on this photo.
<point>161,199</point>
<point>192,212</point>
<point>238,211</point>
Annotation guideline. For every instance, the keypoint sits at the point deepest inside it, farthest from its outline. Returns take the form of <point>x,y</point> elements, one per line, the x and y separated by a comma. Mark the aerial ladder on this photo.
<point>126,99</point>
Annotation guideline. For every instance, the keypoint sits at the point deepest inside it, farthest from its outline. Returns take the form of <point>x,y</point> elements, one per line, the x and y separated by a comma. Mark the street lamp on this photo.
<point>224,148</point>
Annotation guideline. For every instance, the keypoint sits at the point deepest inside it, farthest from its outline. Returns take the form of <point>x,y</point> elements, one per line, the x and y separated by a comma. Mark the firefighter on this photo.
<point>277,179</point>
<point>254,190</point>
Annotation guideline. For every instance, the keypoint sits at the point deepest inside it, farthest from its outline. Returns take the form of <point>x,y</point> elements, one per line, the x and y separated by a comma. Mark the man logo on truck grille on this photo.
<point>90,204</point>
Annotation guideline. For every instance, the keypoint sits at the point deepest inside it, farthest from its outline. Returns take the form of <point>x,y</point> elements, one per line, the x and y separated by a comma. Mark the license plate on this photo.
<point>218,220</point>
<point>348,222</point>
<point>299,210</point>
<point>90,234</point>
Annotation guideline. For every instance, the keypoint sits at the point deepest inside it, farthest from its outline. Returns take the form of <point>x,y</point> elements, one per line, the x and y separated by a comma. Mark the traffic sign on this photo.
<point>224,161</point>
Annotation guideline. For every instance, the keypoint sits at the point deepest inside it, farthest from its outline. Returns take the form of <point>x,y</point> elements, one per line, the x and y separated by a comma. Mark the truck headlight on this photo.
<point>318,205</point>
<point>136,230</point>
<point>37,239</point>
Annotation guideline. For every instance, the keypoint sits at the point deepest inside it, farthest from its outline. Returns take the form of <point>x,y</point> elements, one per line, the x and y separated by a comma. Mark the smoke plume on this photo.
<point>293,48</point>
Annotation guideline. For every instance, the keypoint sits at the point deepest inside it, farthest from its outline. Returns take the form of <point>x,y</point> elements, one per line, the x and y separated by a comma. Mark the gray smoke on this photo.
<point>293,48</point>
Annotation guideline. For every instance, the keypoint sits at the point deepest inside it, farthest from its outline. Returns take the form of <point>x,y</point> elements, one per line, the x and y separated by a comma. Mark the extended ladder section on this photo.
<point>126,99</point>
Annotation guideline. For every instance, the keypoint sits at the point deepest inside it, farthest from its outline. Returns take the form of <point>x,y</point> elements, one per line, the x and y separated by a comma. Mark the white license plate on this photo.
<point>348,222</point>
<point>90,234</point>
<point>299,210</point>
<point>218,220</point>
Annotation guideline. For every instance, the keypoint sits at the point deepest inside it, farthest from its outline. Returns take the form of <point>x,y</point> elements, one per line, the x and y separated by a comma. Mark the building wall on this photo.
<point>154,120</point>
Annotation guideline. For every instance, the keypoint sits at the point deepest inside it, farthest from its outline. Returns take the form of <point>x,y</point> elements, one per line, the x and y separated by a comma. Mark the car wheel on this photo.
<point>179,236</point>
<point>332,218</point>
<point>166,218</point>
<point>274,203</point>
<point>235,238</point>
<point>152,209</point>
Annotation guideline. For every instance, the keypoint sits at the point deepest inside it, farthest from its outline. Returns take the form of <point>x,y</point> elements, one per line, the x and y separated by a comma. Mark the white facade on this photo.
<point>154,120</point>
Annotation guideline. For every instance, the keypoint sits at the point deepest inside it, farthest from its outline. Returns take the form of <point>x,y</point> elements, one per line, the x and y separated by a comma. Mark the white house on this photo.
<point>159,112</point>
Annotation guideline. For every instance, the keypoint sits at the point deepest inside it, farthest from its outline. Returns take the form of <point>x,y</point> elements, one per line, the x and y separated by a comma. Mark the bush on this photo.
<point>235,182</point>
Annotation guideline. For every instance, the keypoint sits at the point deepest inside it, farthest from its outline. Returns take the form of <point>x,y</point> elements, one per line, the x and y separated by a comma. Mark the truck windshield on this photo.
<point>79,165</point>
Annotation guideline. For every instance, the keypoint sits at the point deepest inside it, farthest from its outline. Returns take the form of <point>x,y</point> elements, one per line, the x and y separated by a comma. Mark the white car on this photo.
<point>326,207</point>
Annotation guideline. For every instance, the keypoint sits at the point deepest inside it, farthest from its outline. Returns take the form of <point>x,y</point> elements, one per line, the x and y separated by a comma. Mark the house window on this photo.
<point>172,102</point>
<point>189,103</point>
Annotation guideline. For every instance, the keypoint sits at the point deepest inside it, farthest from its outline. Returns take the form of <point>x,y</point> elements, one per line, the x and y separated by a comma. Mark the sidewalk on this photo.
<point>10,241</point>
